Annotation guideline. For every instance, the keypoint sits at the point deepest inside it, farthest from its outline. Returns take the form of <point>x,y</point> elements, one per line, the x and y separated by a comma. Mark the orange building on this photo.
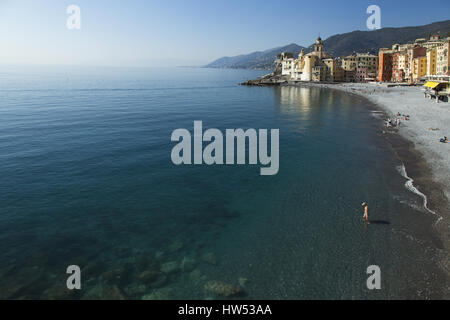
<point>385,65</point>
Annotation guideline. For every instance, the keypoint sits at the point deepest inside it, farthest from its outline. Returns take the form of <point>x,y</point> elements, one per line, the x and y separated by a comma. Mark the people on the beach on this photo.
<point>392,123</point>
<point>366,211</point>
<point>389,123</point>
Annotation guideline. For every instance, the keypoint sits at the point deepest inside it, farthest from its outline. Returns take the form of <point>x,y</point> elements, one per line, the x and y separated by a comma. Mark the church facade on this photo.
<point>317,66</point>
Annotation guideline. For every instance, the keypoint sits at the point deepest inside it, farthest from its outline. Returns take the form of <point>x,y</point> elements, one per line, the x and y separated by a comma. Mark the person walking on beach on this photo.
<point>366,211</point>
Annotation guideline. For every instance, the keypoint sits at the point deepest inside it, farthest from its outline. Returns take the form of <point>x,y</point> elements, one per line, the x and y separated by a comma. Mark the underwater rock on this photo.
<point>170,267</point>
<point>155,279</point>
<point>59,292</point>
<point>135,289</point>
<point>113,276</point>
<point>92,293</point>
<point>163,294</point>
<point>5,272</point>
<point>187,264</point>
<point>123,252</point>
<point>13,286</point>
<point>209,258</point>
<point>93,268</point>
<point>242,282</point>
<point>175,246</point>
<point>144,262</point>
<point>112,293</point>
<point>149,275</point>
<point>108,292</point>
<point>120,274</point>
<point>197,276</point>
<point>141,264</point>
<point>159,255</point>
<point>39,258</point>
<point>10,290</point>
<point>223,289</point>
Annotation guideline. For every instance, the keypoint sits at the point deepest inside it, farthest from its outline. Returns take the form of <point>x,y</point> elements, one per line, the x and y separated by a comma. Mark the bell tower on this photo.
<point>301,54</point>
<point>318,48</point>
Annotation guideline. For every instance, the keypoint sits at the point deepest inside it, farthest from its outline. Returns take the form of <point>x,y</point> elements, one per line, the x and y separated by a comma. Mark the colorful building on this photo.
<point>413,54</point>
<point>431,61</point>
<point>385,65</point>
<point>410,62</point>
<point>419,68</point>
<point>413,61</point>
<point>442,58</point>
<point>361,66</point>
<point>317,66</point>
<point>398,74</point>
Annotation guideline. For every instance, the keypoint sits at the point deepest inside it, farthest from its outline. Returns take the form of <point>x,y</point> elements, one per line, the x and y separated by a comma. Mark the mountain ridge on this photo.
<point>338,45</point>
<point>255,60</point>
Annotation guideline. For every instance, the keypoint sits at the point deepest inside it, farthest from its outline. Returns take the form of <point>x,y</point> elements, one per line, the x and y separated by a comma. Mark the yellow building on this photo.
<point>431,61</point>
<point>419,68</point>
<point>334,73</point>
<point>361,60</point>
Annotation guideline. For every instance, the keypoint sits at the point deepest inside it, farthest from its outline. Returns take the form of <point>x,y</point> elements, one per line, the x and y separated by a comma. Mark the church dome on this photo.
<point>319,40</point>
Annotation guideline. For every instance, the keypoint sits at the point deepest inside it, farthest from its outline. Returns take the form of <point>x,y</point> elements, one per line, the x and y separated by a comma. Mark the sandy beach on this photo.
<point>428,123</point>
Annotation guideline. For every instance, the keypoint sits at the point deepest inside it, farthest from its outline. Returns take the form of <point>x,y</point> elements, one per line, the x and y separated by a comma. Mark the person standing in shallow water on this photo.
<point>366,211</point>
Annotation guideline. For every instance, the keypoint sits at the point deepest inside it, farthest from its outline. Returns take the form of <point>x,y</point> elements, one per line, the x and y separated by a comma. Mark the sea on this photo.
<point>87,180</point>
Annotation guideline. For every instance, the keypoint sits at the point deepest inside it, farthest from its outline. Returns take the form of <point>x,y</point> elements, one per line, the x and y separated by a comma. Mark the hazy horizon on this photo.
<point>180,33</point>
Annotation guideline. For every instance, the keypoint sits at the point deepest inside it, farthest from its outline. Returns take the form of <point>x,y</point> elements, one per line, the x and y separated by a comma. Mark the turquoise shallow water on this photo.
<point>86,179</point>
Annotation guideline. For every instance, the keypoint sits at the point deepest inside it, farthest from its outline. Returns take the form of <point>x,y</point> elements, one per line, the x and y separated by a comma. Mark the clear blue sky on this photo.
<point>184,32</point>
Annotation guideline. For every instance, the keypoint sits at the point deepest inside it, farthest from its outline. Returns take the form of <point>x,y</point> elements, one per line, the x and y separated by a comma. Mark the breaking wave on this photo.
<point>409,184</point>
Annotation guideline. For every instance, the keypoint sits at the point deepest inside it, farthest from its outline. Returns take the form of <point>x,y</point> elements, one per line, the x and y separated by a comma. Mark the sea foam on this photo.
<point>409,184</point>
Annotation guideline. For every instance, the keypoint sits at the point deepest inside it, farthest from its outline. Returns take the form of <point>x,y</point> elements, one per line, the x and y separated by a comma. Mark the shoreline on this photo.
<point>416,130</point>
<point>426,165</point>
